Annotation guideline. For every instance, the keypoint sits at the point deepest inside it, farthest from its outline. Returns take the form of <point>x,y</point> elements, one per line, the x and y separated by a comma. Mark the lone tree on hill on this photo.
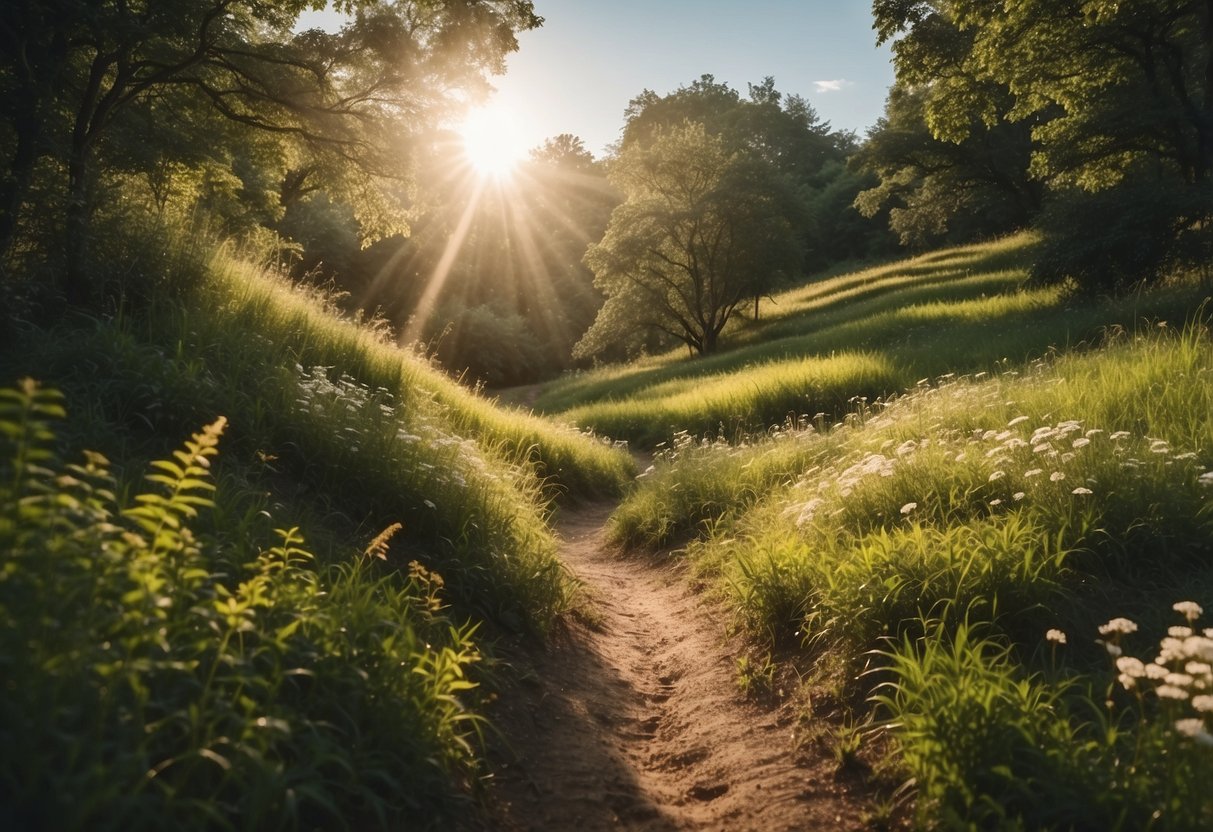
<point>701,230</point>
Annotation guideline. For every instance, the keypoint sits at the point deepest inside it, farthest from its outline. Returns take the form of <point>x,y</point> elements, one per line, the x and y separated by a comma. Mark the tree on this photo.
<point>1117,95</point>
<point>701,229</point>
<point>937,189</point>
<point>71,70</point>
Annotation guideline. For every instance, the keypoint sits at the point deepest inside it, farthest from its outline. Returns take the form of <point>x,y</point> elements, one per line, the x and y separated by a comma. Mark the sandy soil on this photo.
<point>637,722</point>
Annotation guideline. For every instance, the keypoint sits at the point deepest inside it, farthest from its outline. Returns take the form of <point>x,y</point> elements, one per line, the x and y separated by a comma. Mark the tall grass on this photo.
<point>153,682</point>
<point>962,310</point>
<point>332,422</point>
<point>929,542</point>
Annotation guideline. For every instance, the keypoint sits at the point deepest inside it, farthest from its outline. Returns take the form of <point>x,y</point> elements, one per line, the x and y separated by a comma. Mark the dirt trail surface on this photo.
<point>637,722</point>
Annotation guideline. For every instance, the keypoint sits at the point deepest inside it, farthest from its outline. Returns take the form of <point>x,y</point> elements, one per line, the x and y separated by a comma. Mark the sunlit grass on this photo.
<point>963,310</point>
<point>929,543</point>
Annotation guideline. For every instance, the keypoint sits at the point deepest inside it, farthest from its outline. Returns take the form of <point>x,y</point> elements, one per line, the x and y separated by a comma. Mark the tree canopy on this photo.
<point>79,77</point>
<point>702,228</point>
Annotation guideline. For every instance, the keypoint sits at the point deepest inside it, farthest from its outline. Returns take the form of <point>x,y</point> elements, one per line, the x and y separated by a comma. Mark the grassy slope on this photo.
<point>918,551</point>
<point>331,429</point>
<point>817,348</point>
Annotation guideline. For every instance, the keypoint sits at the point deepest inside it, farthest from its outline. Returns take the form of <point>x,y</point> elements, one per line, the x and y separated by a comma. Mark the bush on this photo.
<point>149,683</point>
<point>1116,239</point>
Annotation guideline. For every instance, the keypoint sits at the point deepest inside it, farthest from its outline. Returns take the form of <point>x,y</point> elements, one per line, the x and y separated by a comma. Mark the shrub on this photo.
<point>149,683</point>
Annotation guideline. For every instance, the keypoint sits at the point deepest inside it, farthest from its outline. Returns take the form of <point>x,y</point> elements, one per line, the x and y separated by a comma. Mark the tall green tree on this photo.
<point>72,70</point>
<point>938,190</point>
<point>702,229</point>
<point>1118,95</point>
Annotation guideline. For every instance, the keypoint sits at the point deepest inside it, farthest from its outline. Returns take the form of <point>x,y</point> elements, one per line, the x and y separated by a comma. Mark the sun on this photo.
<point>492,140</point>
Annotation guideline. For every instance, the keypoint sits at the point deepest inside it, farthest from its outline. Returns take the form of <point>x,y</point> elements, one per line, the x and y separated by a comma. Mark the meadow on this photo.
<point>992,581</point>
<point>254,555</point>
<point>819,349</point>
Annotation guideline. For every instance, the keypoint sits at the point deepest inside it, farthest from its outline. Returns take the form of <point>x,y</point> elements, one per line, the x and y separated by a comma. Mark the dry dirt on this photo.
<point>637,722</point>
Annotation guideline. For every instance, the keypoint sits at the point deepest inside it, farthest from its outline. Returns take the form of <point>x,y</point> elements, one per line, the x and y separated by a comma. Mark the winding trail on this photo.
<point>637,721</point>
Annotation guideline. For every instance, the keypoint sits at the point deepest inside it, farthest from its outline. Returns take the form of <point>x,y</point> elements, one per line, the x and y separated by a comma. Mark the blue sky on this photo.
<point>577,72</point>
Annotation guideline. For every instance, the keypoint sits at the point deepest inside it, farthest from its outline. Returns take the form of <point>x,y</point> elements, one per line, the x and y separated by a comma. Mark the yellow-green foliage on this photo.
<point>959,310</point>
<point>732,403</point>
<point>948,529</point>
<point>152,682</point>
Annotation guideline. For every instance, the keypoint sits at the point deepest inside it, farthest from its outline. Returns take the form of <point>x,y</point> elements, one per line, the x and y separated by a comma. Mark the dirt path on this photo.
<point>637,723</point>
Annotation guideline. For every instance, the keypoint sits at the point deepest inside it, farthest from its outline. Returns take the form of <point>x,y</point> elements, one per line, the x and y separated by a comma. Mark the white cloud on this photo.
<point>832,86</point>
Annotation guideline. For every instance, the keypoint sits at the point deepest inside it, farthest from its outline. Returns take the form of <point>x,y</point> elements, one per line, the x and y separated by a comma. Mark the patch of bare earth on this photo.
<point>638,723</point>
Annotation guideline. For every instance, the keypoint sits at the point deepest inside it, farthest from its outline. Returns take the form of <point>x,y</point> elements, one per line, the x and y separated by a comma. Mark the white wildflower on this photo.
<point>1155,671</point>
<point>1206,479</point>
<point>997,475</point>
<point>1188,609</point>
<point>1131,666</point>
<point>1082,492</point>
<point>1118,626</point>
<point>1056,476</point>
<point>1194,729</point>
<point>1179,632</point>
<point>908,507</point>
<point>1120,434</point>
<point>1179,680</point>
<point>996,502</point>
<point>1203,703</point>
<point>1080,442</point>
<point>1018,420</point>
<point>1055,636</point>
<point>1017,496</point>
<point>1033,472</point>
<point>1170,692</point>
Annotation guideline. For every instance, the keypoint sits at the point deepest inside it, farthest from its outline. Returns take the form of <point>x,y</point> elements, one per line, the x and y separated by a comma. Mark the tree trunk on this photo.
<point>76,284</point>
<point>15,186</point>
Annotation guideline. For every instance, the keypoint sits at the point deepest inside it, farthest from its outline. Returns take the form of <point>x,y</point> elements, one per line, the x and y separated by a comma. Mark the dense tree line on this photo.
<point>1091,119</point>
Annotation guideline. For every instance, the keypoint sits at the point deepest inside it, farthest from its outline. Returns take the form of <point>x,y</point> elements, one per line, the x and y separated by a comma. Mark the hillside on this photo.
<point>982,568</point>
<point>817,350</point>
<point>267,587</point>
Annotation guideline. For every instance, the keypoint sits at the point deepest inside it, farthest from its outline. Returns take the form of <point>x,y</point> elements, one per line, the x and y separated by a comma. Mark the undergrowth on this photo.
<point>928,543</point>
<point>152,682</point>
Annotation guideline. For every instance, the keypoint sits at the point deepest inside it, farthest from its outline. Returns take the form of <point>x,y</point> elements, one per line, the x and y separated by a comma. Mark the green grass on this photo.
<point>963,310</point>
<point>234,676</point>
<point>152,681</point>
<point>926,544</point>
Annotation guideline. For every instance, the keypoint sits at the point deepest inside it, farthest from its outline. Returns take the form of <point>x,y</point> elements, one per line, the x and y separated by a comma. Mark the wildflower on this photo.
<point>1033,472</point>
<point>1131,666</point>
<point>1113,649</point>
<point>997,475</point>
<point>995,502</point>
<point>1118,626</point>
<point>1170,692</point>
<point>1017,496</point>
<point>1180,680</point>
<point>1206,479</point>
<point>1082,492</point>
<point>1093,432</point>
<point>1188,609</point>
<point>1018,420</point>
<point>1120,434</point>
<point>1043,447</point>
<point>1203,703</point>
<point>1199,668</point>
<point>1179,632</point>
<point>1056,476</point>
<point>908,507</point>
<point>1183,457</point>
<point>1194,729</point>
<point>1159,446</point>
<point>1080,442</point>
<point>1155,671</point>
<point>1056,636</point>
<point>1196,647</point>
